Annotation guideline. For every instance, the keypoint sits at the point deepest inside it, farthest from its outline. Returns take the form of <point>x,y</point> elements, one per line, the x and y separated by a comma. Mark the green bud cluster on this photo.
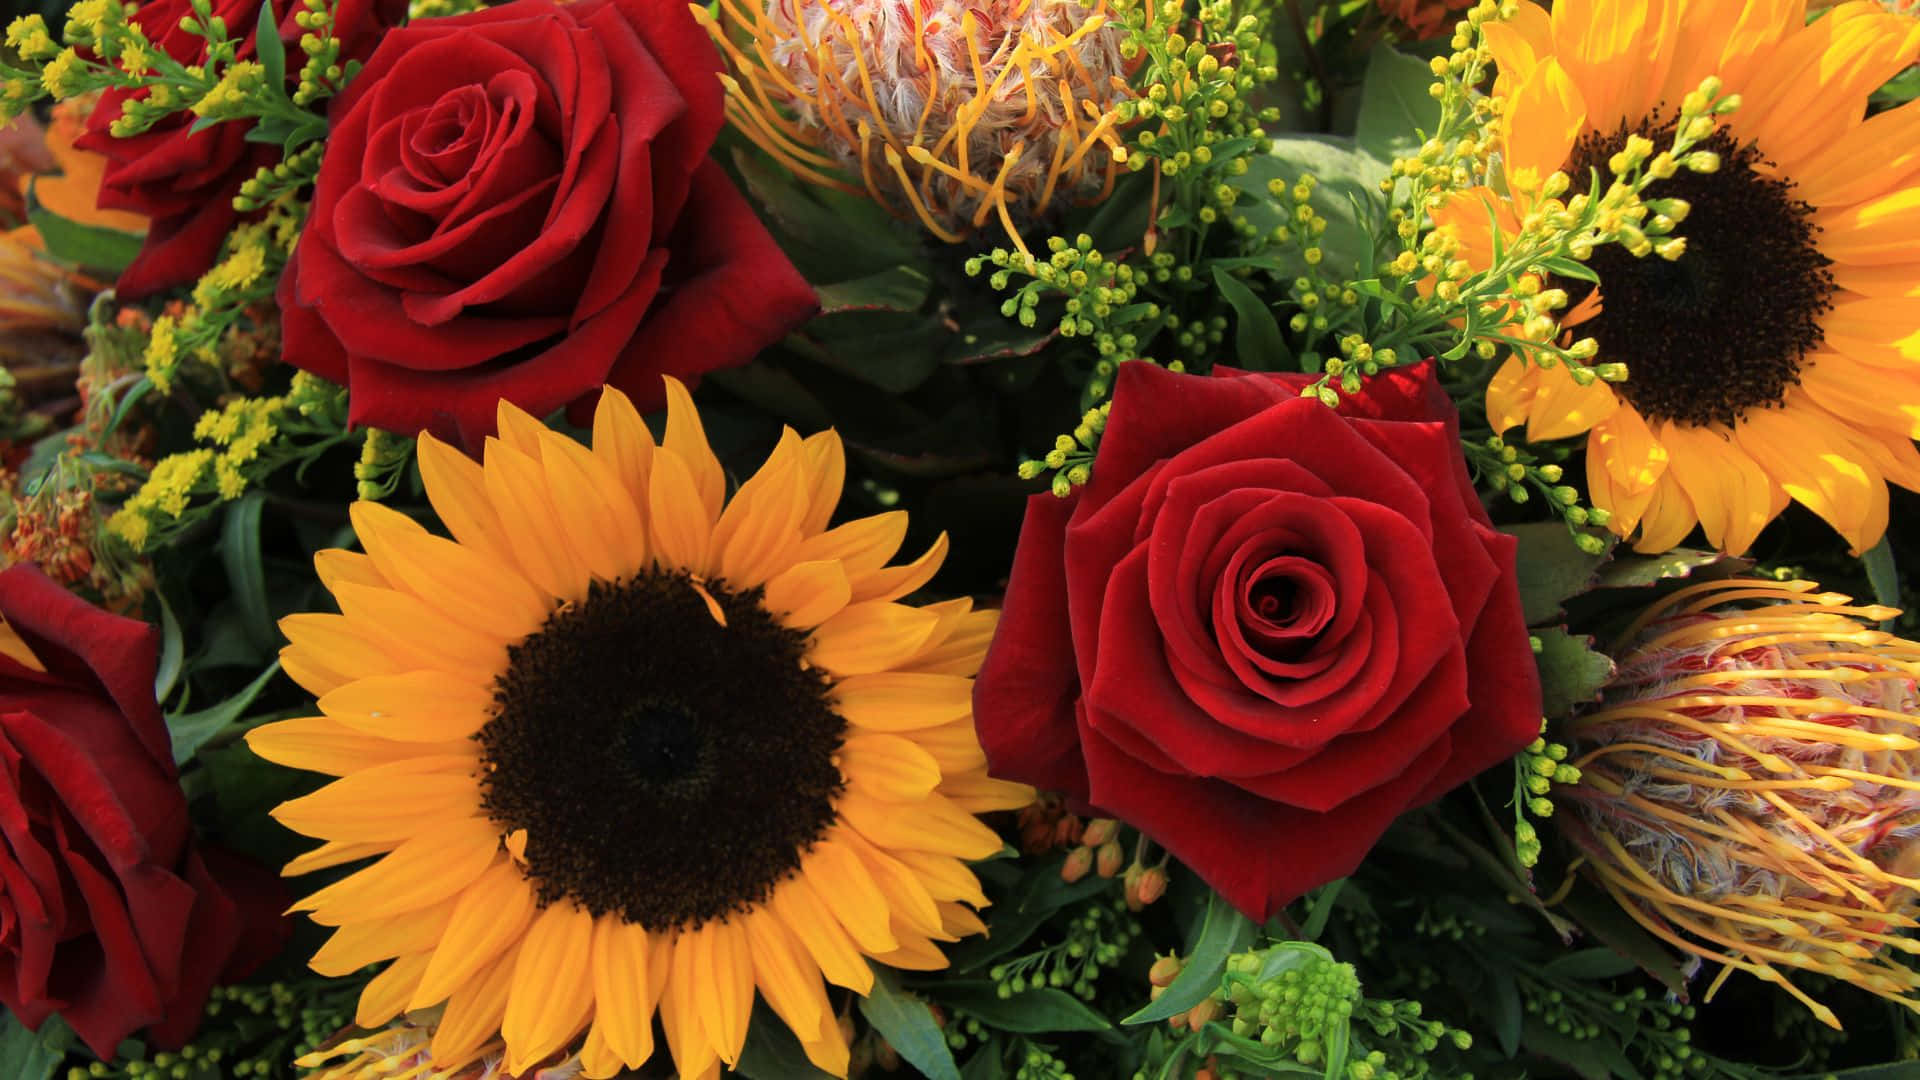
<point>1535,770</point>
<point>384,458</point>
<point>1522,473</point>
<point>249,1031</point>
<point>1097,939</point>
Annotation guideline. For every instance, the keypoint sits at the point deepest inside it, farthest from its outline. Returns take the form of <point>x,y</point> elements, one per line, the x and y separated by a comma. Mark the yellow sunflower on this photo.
<point>1778,358</point>
<point>625,745</point>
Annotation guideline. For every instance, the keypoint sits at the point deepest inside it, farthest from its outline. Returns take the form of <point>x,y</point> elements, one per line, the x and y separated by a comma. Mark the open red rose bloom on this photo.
<point>518,203</point>
<point>1289,625</point>
<point>110,914</point>
<point>185,179</point>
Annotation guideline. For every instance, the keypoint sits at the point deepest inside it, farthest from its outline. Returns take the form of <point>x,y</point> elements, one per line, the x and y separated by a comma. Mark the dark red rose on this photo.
<point>109,913</point>
<point>1287,625</point>
<point>517,203</point>
<point>186,182</point>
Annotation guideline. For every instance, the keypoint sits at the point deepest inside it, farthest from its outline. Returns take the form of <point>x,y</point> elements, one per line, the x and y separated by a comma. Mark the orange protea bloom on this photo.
<point>946,110</point>
<point>1750,788</point>
<point>1775,360</point>
<point>625,745</point>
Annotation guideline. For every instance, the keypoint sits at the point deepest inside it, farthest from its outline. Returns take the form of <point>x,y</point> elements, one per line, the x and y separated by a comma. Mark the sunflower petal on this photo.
<point>457,488</point>
<point>483,925</point>
<point>386,802</point>
<point>552,995</point>
<point>623,1005</point>
<point>871,637</point>
<point>687,438</point>
<point>386,994</point>
<point>472,1017</point>
<point>807,594</point>
<point>621,439</point>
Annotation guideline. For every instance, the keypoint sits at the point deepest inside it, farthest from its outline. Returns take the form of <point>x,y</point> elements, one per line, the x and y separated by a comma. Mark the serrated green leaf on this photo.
<point>1257,344</point>
<point>246,574</point>
<point>908,1026</point>
<point>900,288</point>
<point>1395,105</point>
<point>1223,932</point>
<point>1033,1011</point>
<point>1549,568</point>
<point>190,731</point>
<point>1595,963</point>
<point>1571,672</point>
<point>269,48</point>
<point>92,246</point>
<point>33,1055</point>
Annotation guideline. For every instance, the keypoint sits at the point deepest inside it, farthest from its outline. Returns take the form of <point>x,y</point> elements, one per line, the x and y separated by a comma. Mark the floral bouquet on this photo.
<point>1015,539</point>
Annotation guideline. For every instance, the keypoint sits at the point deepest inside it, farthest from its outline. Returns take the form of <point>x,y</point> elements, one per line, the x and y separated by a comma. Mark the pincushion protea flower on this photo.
<point>1750,788</point>
<point>946,110</point>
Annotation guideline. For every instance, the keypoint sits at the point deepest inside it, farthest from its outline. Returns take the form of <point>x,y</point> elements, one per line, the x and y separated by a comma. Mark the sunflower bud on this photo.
<point>1748,785</point>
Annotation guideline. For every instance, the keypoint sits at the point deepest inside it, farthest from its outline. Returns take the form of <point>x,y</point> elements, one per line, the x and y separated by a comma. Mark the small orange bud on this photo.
<point>1110,857</point>
<point>1200,1015</point>
<point>1079,861</point>
<point>1165,969</point>
<point>1151,885</point>
<point>1099,831</point>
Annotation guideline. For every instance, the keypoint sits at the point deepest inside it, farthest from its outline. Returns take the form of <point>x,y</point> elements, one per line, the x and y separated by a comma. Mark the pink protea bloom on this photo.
<point>1750,786</point>
<point>951,111</point>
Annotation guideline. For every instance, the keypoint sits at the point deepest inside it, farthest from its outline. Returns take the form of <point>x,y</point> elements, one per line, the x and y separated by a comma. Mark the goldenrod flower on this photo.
<point>624,745</point>
<point>1750,788</point>
<point>1775,359</point>
<point>946,110</point>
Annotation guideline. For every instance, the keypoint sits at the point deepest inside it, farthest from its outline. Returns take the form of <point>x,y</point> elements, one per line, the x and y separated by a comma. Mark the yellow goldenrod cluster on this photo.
<point>247,439</point>
<point>383,462</point>
<point>1748,786</point>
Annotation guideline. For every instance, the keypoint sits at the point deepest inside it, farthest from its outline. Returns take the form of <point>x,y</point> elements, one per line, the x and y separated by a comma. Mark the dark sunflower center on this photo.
<point>1724,328</point>
<point>665,767</point>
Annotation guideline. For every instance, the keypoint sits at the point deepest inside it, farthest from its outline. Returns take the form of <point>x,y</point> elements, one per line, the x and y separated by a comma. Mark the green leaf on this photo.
<point>92,246</point>
<point>1550,568</point>
<point>1504,1011</point>
<point>190,731</point>
<point>901,288</point>
<point>908,1026</point>
<point>1571,672</point>
<point>1395,107</point>
<point>246,575</point>
<point>1223,932</point>
<point>1562,267</point>
<point>1320,909</point>
<point>127,401</point>
<point>269,48</point>
<point>1592,1059</point>
<point>1347,195</point>
<point>1029,902</point>
<point>1632,571</point>
<point>1883,576</point>
<point>1599,915</point>
<point>985,1064</point>
<point>33,1055</point>
<point>1034,1011</point>
<point>771,1051</point>
<point>172,651</point>
<point>1596,963</point>
<point>1257,345</point>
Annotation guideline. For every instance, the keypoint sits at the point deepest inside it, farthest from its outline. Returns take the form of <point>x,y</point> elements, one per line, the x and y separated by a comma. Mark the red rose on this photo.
<point>186,182</point>
<point>1287,625</point>
<point>517,203</point>
<point>109,915</point>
